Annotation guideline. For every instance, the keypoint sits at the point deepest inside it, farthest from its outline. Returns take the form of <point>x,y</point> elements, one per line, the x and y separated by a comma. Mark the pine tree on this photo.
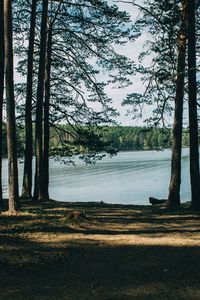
<point>27,176</point>
<point>1,89</point>
<point>38,187</point>
<point>193,118</point>
<point>175,180</point>
<point>10,107</point>
<point>166,21</point>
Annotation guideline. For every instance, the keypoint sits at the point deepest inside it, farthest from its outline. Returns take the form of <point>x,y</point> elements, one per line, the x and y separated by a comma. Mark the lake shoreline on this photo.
<point>26,202</point>
<point>60,250</point>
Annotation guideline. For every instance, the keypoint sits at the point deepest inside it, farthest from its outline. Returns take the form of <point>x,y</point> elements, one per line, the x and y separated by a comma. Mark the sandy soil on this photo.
<point>111,252</point>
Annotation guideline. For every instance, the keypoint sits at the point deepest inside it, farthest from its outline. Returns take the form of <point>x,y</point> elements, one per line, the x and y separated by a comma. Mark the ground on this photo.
<point>109,252</point>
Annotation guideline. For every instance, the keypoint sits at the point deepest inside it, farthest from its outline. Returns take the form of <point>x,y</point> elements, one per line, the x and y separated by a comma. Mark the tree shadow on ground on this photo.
<point>44,255</point>
<point>104,272</point>
<point>101,219</point>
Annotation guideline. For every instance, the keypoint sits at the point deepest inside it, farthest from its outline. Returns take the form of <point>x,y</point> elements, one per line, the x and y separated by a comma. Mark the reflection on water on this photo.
<point>129,177</point>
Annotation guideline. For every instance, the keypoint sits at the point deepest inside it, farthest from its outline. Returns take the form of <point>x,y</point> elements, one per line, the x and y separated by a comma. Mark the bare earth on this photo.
<point>111,252</point>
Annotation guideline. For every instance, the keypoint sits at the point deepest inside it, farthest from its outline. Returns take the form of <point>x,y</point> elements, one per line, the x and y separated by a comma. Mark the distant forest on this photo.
<point>142,138</point>
<point>121,138</point>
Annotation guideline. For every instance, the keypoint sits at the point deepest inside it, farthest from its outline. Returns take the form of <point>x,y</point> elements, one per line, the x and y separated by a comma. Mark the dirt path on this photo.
<point>115,252</point>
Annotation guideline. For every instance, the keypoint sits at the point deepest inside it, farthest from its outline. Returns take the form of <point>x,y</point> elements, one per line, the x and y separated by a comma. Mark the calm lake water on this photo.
<point>129,178</point>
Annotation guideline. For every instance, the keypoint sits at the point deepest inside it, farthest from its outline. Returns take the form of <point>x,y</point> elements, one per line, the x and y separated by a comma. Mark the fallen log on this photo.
<point>155,201</point>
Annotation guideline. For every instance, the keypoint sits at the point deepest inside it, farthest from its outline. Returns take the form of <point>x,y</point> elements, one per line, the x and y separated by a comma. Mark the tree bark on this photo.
<point>10,105</point>
<point>1,89</point>
<point>38,188</point>
<point>46,114</point>
<point>27,177</point>
<point>175,180</point>
<point>193,119</point>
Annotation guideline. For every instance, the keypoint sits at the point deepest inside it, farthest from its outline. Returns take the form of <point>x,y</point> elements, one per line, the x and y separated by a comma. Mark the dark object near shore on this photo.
<point>155,201</point>
<point>76,215</point>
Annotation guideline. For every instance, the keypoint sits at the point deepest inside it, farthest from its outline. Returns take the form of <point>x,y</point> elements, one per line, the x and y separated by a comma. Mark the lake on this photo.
<point>129,178</point>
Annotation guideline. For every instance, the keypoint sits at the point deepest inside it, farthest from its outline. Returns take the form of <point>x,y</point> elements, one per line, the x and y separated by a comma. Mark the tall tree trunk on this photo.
<point>193,119</point>
<point>27,177</point>
<point>46,114</point>
<point>1,90</point>
<point>38,188</point>
<point>175,180</point>
<point>10,105</point>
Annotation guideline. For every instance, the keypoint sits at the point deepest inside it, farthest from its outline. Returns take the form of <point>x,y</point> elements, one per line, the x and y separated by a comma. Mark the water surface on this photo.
<point>129,178</point>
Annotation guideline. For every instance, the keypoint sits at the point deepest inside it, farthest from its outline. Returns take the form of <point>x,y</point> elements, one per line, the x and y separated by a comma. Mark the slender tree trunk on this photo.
<point>46,114</point>
<point>10,105</point>
<point>1,89</point>
<point>27,178</point>
<point>38,188</point>
<point>193,119</point>
<point>175,180</point>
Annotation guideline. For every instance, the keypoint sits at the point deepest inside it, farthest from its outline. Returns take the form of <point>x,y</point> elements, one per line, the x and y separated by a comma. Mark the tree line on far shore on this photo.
<point>143,138</point>
<point>121,138</point>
